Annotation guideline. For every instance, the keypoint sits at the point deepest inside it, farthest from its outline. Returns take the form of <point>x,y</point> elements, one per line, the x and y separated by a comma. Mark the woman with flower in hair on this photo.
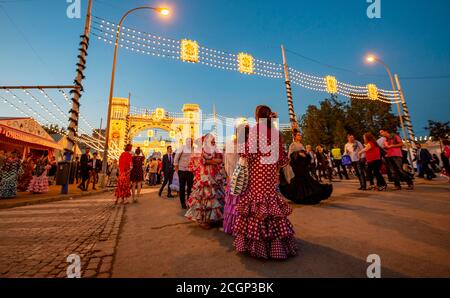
<point>206,200</point>
<point>262,228</point>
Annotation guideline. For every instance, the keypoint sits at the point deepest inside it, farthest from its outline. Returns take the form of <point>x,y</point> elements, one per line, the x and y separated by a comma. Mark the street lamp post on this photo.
<point>163,11</point>
<point>372,59</point>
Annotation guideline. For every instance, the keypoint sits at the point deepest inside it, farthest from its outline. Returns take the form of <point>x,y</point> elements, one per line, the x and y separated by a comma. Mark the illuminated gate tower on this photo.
<point>127,122</point>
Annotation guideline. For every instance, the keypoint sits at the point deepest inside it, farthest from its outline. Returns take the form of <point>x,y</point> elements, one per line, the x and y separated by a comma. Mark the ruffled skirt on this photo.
<point>8,186</point>
<point>206,202</point>
<point>230,213</point>
<point>39,184</point>
<point>24,181</point>
<point>262,228</point>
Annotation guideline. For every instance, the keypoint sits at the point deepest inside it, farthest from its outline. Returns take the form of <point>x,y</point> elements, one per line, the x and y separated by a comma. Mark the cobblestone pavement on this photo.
<point>35,241</point>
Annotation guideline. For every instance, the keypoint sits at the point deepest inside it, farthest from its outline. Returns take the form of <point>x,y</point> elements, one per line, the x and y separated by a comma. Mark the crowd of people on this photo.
<point>242,189</point>
<point>31,174</point>
<point>257,215</point>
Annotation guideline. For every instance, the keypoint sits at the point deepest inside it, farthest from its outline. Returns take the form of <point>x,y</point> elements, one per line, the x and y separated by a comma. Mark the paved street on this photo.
<point>36,240</point>
<point>410,231</point>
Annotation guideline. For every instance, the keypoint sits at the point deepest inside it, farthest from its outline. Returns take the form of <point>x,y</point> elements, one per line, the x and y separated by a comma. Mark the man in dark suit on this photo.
<point>84,169</point>
<point>96,167</point>
<point>168,170</point>
<point>423,158</point>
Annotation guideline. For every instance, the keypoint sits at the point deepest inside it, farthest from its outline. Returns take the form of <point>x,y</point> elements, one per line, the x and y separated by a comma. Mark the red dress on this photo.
<point>206,200</point>
<point>123,182</point>
<point>262,228</point>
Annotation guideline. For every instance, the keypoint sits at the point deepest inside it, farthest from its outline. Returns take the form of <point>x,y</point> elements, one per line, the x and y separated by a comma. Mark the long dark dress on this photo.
<point>137,173</point>
<point>9,174</point>
<point>303,188</point>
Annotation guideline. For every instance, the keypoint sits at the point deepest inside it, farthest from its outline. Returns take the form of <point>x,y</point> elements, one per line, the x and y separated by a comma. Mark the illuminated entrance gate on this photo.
<point>128,122</point>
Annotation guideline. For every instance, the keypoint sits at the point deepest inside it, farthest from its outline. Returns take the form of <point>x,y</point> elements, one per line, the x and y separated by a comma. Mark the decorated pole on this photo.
<point>287,82</point>
<point>76,92</point>
<point>405,111</point>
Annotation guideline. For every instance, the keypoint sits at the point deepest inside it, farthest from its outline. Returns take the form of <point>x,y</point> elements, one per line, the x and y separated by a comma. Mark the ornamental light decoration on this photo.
<point>331,84</point>
<point>159,113</point>
<point>150,133</point>
<point>189,51</point>
<point>372,91</point>
<point>172,134</point>
<point>246,64</point>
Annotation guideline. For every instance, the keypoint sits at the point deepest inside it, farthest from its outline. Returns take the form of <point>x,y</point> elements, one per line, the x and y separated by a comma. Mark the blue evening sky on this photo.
<point>413,37</point>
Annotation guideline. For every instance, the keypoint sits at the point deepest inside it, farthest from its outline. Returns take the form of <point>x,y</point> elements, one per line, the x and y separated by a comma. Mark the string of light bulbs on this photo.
<point>84,138</point>
<point>35,114</point>
<point>150,44</point>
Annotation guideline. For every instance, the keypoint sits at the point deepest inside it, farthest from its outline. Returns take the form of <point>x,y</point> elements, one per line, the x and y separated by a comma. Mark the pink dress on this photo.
<point>262,228</point>
<point>39,182</point>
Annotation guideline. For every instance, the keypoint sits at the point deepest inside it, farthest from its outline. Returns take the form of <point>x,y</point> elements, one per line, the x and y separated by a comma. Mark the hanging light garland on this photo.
<point>190,51</point>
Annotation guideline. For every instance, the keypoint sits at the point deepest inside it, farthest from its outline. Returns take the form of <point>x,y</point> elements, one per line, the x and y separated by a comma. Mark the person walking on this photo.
<point>352,149</point>
<point>168,171</point>
<point>323,164</point>
<point>373,159</point>
<point>423,158</point>
<point>84,169</point>
<point>393,146</point>
<point>123,192</point>
<point>153,168</point>
<point>262,228</point>
<point>95,168</point>
<point>137,174</point>
<point>337,161</point>
<point>312,164</point>
<point>113,173</point>
<point>185,176</point>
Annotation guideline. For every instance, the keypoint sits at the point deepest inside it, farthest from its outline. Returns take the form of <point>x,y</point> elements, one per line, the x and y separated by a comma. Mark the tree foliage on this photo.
<point>331,121</point>
<point>438,130</point>
<point>54,129</point>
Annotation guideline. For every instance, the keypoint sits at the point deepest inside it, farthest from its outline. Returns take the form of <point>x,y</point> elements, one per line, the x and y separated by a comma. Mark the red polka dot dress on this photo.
<point>262,228</point>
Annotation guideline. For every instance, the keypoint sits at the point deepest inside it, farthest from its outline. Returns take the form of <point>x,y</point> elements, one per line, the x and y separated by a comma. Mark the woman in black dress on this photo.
<point>137,174</point>
<point>304,189</point>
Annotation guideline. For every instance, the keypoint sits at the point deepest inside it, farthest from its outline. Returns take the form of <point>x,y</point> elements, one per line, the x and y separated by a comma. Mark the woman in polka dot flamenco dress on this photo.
<point>262,228</point>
